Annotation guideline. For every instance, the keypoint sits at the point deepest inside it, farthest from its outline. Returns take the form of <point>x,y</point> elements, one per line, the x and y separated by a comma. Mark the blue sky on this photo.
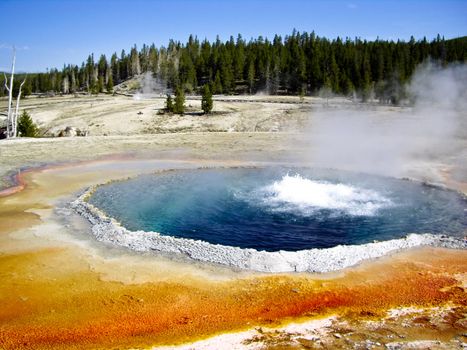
<point>50,33</point>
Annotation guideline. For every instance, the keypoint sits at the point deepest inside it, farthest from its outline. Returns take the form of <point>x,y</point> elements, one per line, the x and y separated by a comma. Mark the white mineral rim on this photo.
<point>107,229</point>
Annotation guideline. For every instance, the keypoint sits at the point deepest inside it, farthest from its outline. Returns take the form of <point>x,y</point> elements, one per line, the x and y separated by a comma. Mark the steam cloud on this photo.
<point>384,140</point>
<point>149,86</point>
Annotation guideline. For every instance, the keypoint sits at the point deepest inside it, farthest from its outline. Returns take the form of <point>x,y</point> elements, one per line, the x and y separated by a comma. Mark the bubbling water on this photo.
<point>301,195</point>
<point>270,209</point>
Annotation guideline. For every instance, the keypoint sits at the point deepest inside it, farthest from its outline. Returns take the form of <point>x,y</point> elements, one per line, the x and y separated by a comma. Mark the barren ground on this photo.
<point>123,115</point>
<point>62,289</point>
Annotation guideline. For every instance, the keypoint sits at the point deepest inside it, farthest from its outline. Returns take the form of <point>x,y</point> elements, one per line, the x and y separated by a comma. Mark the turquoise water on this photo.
<point>281,208</point>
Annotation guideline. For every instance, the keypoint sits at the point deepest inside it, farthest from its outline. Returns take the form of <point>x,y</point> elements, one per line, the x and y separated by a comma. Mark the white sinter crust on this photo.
<point>106,229</point>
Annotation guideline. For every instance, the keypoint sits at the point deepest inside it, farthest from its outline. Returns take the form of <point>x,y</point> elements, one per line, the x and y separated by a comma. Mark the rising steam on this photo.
<point>150,86</point>
<point>385,140</point>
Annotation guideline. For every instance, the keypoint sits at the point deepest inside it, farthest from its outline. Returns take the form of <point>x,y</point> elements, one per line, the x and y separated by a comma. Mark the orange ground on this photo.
<point>53,296</point>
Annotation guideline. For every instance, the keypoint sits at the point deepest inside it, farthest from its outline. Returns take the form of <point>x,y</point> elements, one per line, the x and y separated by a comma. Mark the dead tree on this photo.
<point>12,116</point>
<point>10,95</point>
<point>15,117</point>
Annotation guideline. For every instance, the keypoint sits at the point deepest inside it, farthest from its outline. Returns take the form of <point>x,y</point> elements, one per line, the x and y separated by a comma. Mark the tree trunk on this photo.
<point>10,97</point>
<point>9,105</point>
<point>15,117</point>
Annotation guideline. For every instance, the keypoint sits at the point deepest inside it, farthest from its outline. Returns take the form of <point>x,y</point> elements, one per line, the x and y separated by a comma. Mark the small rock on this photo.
<point>69,131</point>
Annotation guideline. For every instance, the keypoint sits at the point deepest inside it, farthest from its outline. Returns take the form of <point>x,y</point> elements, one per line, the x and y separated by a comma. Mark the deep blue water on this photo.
<point>281,208</point>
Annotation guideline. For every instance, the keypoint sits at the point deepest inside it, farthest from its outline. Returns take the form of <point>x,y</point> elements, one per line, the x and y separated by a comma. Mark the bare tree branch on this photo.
<point>6,82</point>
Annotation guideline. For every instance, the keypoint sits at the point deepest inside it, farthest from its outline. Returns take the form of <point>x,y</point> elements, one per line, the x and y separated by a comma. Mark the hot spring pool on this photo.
<point>278,208</point>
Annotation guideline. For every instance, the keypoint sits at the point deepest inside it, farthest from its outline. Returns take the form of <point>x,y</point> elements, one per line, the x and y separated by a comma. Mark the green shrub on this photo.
<point>26,127</point>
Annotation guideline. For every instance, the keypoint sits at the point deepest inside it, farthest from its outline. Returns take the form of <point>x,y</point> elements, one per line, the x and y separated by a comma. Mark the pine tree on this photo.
<point>110,84</point>
<point>239,58</point>
<point>179,105</point>
<point>135,67</point>
<point>93,88</point>
<point>26,126</point>
<point>102,65</point>
<point>366,80</point>
<point>89,73</point>
<point>300,62</point>
<point>206,101</point>
<point>100,85</point>
<point>187,72</point>
<point>153,59</point>
<point>217,84</point>
<point>2,86</point>
<point>73,82</point>
<point>251,76</point>
<point>115,68</point>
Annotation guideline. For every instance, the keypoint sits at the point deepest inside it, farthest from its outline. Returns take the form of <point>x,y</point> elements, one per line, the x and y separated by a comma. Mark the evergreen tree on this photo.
<point>100,85</point>
<point>123,66</point>
<point>187,72</point>
<point>206,101</point>
<point>26,127</point>
<point>144,58</point>
<point>89,73</point>
<point>366,87</point>
<point>73,83</point>
<point>2,86</point>
<point>226,74</point>
<point>115,68</point>
<point>102,66</point>
<point>153,59</point>
<point>251,76</point>
<point>217,84</point>
<point>239,58</point>
<point>179,105</point>
<point>299,63</point>
<point>110,84</point>
<point>135,66</point>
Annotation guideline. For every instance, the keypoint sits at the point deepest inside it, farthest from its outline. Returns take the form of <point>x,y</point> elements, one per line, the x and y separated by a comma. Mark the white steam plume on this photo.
<point>386,140</point>
<point>150,86</point>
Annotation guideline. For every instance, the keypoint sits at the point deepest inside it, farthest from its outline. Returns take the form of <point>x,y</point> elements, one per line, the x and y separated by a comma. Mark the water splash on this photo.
<point>269,209</point>
<point>304,196</point>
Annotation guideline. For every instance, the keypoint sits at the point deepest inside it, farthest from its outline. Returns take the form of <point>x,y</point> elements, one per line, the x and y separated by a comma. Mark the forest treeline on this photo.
<point>300,64</point>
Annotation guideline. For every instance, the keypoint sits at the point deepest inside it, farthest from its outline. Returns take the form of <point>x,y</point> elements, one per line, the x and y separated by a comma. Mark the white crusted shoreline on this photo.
<point>106,229</point>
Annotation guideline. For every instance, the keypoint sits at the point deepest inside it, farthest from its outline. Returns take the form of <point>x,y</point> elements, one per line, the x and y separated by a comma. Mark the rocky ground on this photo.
<point>395,331</point>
